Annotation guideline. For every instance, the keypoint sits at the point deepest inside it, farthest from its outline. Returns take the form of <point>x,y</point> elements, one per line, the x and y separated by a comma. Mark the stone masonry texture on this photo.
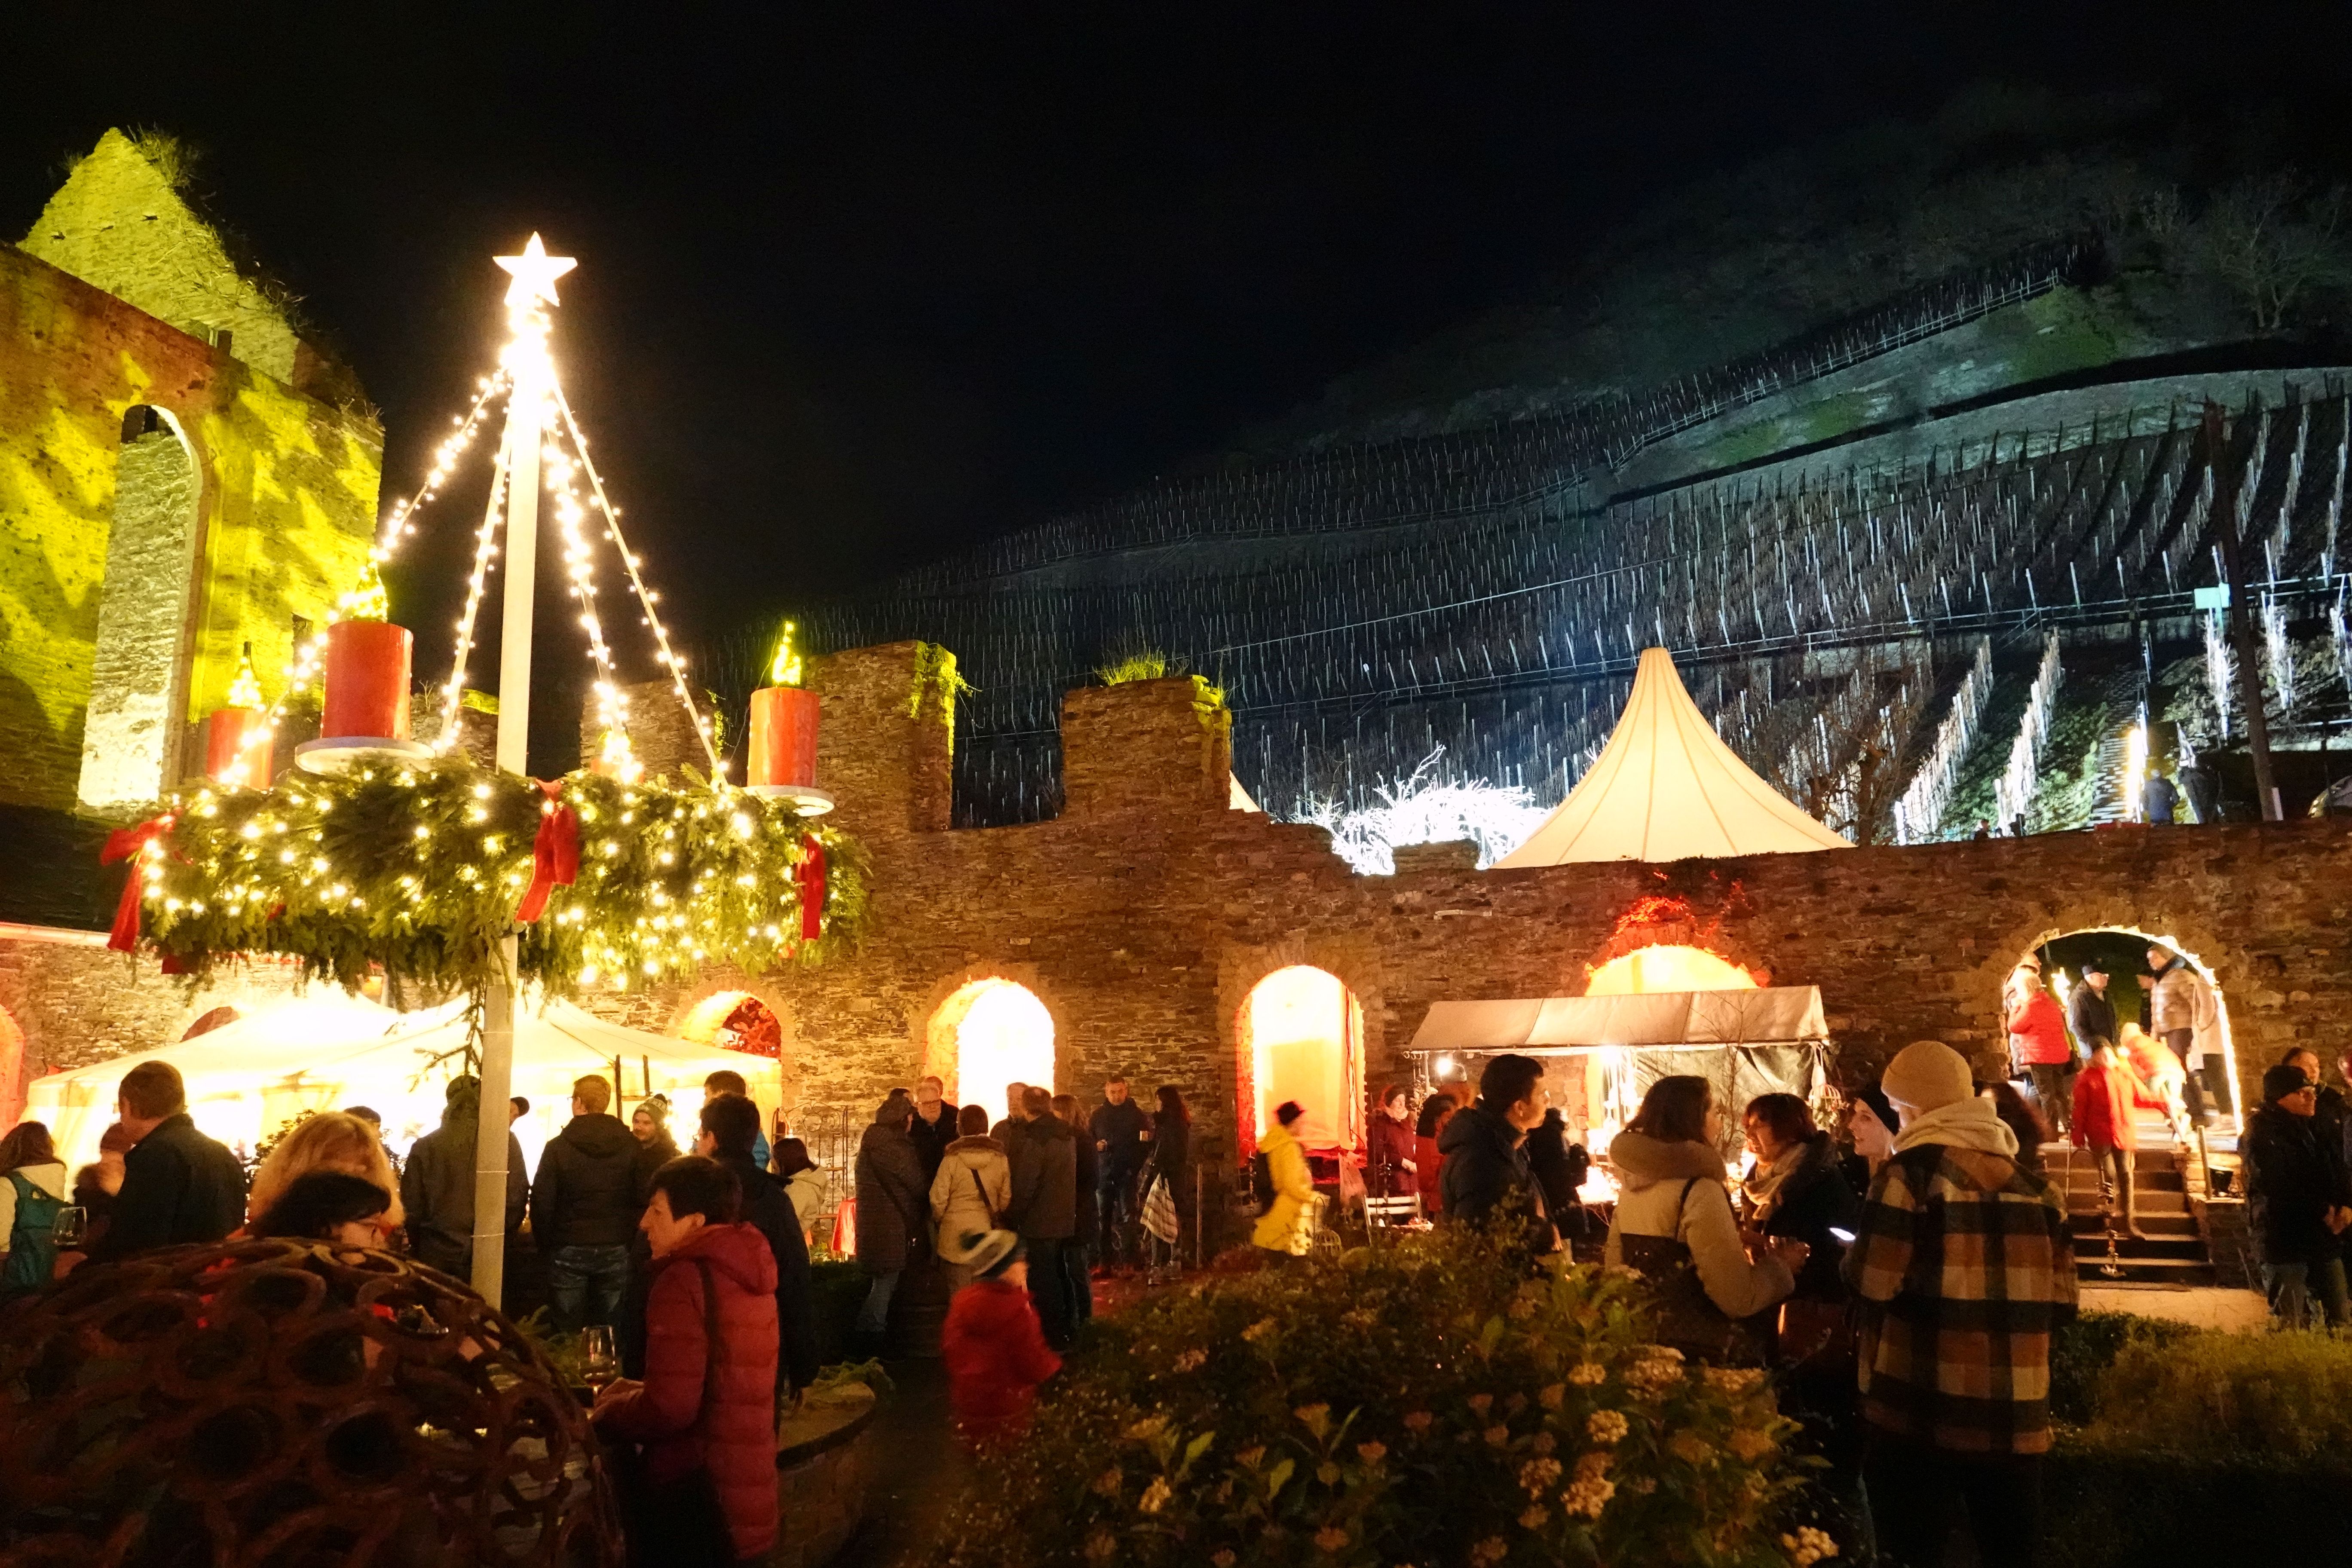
<point>1143,917</point>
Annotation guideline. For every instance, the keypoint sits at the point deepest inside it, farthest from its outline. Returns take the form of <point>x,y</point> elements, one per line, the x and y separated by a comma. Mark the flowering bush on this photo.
<point>1424,1402</point>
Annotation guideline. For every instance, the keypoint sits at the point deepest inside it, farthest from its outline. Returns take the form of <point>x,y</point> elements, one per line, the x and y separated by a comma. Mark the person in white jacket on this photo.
<point>1673,1190</point>
<point>971,1192</point>
<point>30,1170</point>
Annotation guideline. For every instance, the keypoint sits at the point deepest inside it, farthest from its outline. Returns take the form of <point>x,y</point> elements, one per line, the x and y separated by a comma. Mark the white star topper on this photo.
<point>535,273</point>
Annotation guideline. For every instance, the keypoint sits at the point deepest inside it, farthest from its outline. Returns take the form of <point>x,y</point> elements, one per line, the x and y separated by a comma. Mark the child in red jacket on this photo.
<point>994,1348</point>
<point>2105,1096</point>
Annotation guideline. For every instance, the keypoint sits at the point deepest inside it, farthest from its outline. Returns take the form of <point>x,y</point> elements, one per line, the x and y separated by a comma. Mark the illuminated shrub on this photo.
<point>1414,1403</point>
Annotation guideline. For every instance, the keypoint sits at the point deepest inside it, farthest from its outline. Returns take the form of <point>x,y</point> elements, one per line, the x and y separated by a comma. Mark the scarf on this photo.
<point>1963,1124</point>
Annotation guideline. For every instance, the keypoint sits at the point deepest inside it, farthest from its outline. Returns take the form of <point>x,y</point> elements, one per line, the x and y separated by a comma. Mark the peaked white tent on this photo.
<point>324,1051</point>
<point>1667,788</point>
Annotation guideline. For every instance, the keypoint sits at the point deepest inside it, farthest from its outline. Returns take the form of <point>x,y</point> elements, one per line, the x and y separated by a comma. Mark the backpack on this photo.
<point>1261,1182</point>
<point>32,1254</point>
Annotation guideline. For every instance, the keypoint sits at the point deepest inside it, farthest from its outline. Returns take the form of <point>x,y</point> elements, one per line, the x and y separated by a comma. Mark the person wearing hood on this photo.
<point>707,1403</point>
<point>890,1210</point>
<point>1484,1148</point>
<point>437,1185</point>
<point>1964,1267</point>
<point>31,1191</point>
<point>971,1190</point>
<point>2298,1200</point>
<point>1043,1153</point>
<point>1674,1226</point>
<point>584,1209</point>
<point>1287,1228</point>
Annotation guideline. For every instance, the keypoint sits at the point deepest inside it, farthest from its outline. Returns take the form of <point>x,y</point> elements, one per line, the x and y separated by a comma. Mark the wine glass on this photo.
<point>600,1364</point>
<point>71,1226</point>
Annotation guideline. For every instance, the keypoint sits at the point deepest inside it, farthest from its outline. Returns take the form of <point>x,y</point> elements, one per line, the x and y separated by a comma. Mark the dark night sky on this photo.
<point>861,285</point>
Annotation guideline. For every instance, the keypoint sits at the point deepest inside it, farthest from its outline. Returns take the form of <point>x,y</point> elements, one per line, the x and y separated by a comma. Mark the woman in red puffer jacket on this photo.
<point>728,1428</point>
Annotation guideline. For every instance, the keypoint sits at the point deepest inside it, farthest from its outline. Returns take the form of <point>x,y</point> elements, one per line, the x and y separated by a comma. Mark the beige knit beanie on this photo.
<point>1927,1074</point>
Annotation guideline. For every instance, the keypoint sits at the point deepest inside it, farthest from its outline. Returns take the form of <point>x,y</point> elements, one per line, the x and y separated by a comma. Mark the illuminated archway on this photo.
<point>1667,966</point>
<point>2124,949</point>
<point>986,1035</point>
<point>12,1071</point>
<point>734,1021</point>
<point>1302,1039</point>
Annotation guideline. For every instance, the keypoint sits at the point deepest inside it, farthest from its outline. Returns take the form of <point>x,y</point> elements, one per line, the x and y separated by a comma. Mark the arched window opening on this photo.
<point>734,1021</point>
<point>2124,952</point>
<point>1302,1039</point>
<point>989,1034</point>
<point>139,676</point>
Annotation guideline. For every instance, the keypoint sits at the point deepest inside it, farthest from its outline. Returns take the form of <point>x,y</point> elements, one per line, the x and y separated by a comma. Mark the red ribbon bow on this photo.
<point>809,877</point>
<point>131,844</point>
<point>554,854</point>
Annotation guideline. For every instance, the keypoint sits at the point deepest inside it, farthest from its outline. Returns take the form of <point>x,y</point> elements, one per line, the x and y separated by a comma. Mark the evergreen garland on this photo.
<point>418,866</point>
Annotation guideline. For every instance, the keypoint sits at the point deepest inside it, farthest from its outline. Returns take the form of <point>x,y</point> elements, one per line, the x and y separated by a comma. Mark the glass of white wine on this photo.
<point>599,1362</point>
<point>71,1226</point>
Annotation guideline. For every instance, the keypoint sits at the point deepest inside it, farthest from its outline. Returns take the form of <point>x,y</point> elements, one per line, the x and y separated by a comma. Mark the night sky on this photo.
<point>856,291</point>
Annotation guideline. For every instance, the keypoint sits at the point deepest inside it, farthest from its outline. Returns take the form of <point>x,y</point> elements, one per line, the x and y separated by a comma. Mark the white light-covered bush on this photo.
<point>1426,809</point>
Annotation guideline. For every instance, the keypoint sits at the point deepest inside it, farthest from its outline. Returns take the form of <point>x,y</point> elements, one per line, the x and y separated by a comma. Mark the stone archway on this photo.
<point>707,1008</point>
<point>2128,999</point>
<point>1300,1036</point>
<point>147,613</point>
<point>1354,962</point>
<point>989,1032</point>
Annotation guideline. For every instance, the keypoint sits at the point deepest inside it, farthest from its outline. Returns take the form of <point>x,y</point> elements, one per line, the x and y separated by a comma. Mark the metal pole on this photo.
<point>503,1006</point>
<point>2240,613</point>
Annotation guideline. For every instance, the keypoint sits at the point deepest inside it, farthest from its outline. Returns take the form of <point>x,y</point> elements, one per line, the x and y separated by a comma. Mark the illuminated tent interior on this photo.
<point>1666,788</point>
<point>1302,1039</point>
<point>325,1050</point>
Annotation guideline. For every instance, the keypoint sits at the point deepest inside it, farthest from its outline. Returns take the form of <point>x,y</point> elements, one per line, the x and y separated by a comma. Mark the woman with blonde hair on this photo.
<point>326,1141</point>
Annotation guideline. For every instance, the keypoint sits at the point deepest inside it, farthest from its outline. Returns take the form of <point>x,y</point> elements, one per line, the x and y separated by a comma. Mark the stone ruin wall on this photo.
<point>1143,916</point>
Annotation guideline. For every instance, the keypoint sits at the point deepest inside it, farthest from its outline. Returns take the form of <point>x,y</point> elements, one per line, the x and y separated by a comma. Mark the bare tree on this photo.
<point>2273,240</point>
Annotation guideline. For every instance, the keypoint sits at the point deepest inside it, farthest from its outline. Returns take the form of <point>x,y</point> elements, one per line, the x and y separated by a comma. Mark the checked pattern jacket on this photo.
<point>1963,1266</point>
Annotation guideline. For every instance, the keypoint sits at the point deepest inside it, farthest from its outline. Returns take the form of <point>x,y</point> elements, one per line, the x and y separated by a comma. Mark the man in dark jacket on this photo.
<point>1486,1170</point>
<point>730,1124</point>
<point>1122,1136</point>
<point>178,1185</point>
<point>1559,1168</point>
<point>893,1207</point>
<point>584,1209</point>
<point>1043,1155</point>
<point>2089,1013</point>
<point>437,1185</point>
<point>2298,1200</point>
<point>933,1127</point>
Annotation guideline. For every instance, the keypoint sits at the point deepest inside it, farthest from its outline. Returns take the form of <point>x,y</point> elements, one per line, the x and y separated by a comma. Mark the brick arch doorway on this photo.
<point>2124,949</point>
<point>1302,1039</point>
<point>989,1032</point>
<point>734,1021</point>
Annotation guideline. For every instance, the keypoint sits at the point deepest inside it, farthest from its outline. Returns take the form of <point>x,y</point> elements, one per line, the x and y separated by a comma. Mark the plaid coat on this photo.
<point>1963,1266</point>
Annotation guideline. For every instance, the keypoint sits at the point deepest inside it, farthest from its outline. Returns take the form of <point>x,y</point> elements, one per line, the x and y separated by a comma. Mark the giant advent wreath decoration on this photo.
<point>423,868</point>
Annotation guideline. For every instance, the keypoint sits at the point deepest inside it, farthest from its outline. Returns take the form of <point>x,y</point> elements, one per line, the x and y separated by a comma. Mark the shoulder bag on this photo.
<point>1687,1319</point>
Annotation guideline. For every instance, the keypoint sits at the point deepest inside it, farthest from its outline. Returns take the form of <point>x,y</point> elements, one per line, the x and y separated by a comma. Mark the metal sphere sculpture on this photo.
<point>289,1404</point>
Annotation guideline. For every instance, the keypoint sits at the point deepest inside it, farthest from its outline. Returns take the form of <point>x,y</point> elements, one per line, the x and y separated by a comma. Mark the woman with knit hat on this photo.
<point>1962,1269</point>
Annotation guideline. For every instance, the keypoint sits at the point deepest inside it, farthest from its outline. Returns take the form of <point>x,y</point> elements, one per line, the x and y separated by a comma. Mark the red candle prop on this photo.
<point>367,681</point>
<point>783,737</point>
<point>236,748</point>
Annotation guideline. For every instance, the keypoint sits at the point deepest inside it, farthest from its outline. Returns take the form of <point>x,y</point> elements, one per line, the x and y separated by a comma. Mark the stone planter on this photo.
<point>824,1468</point>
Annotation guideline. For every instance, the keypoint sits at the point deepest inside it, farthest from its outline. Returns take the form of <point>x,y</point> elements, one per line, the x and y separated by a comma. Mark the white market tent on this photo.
<point>1666,788</point>
<point>324,1051</point>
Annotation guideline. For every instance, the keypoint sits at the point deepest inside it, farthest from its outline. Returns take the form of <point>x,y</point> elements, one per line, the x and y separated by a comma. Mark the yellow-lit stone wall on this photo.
<point>287,508</point>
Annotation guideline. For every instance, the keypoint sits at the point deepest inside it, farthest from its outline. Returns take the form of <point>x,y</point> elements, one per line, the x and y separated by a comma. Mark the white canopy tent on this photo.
<point>1666,788</point>
<point>324,1051</point>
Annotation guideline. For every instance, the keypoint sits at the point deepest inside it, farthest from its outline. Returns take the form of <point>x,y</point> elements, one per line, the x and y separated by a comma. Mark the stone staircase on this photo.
<point>2107,801</point>
<point>2175,1252</point>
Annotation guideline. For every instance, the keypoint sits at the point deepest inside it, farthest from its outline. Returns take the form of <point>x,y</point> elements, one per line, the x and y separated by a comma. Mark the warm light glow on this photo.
<point>244,691</point>
<point>534,273</point>
<point>1003,1036</point>
<point>367,600</point>
<point>2135,770</point>
<point>1668,966</point>
<point>1306,1043</point>
<point>785,668</point>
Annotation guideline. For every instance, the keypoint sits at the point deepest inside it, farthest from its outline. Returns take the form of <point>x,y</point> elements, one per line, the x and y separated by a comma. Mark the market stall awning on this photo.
<point>1666,788</point>
<point>324,1051</point>
<point>1779,1015</point>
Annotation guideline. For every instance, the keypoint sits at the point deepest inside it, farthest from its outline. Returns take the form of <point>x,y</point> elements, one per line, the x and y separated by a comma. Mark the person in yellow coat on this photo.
<point>1287,1229</point>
